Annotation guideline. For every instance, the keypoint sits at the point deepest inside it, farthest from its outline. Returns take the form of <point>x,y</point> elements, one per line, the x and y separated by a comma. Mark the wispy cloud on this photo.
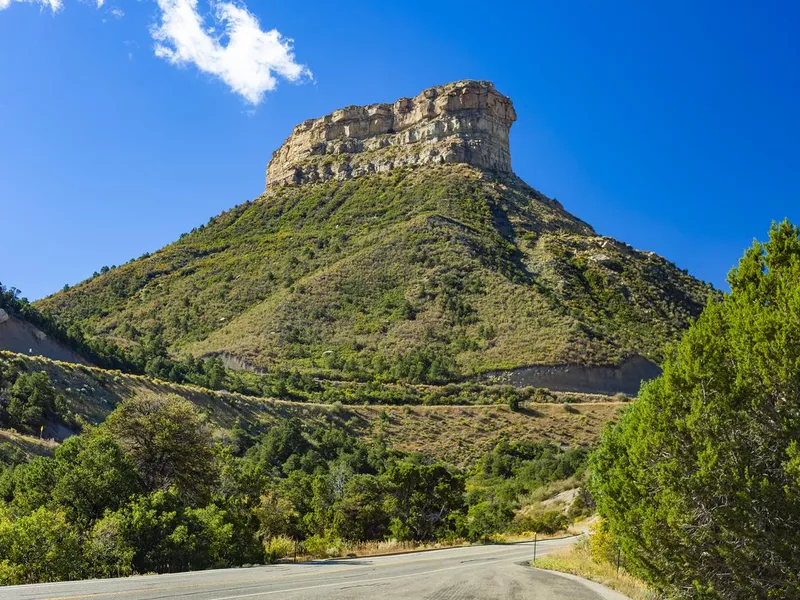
<point>54,5</point>
<point>227,43</point>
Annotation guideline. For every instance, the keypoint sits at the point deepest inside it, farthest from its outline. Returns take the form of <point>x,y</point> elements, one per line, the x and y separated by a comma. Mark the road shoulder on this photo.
<point>604,592</point>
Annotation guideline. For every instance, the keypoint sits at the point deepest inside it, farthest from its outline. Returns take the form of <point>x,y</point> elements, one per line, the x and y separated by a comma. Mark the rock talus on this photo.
<point>462,122</point>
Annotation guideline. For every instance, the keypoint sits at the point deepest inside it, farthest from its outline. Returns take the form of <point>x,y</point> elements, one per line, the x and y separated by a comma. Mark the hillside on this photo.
<point>398,340</point>
<point>458,434</point>
<point>376,256</point>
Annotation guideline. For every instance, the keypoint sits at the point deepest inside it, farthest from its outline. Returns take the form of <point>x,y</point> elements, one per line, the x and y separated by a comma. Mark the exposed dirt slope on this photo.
<point>16,335</point>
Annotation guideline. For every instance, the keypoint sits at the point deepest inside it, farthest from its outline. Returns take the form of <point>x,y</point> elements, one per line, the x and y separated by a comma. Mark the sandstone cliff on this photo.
<point>462,122</point>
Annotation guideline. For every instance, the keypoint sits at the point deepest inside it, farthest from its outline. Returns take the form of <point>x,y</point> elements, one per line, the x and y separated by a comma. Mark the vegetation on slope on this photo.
<point>423,276</point>
<point>150,490</point>
<point>98,350</point>
<point>700,480</point>
<point>458,434</point>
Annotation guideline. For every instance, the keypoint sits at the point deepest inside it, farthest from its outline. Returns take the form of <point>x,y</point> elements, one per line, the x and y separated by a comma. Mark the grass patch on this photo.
<point>577,560</point>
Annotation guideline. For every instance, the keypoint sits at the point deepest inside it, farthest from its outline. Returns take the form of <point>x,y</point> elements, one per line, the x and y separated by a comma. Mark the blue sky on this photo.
<point>126,123</point>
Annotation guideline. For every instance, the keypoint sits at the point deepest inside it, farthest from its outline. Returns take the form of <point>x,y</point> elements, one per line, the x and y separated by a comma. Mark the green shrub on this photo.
<point>321,546</point>
<point>278,547</point>
<point>602,545</point>
<point>549,522</point>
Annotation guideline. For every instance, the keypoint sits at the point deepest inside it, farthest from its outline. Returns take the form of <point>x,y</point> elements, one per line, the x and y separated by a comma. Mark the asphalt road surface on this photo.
<point>474,573</point>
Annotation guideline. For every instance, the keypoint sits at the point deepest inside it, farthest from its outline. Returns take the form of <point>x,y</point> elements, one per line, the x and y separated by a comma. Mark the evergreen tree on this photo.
<point>700,480</point>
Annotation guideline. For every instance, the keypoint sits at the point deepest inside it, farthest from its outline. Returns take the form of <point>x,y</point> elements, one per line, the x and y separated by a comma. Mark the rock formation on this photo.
<point>462,122</point>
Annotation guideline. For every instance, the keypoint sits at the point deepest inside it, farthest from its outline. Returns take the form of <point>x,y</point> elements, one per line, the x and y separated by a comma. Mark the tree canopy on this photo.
<point>168,441</point>
<point>700,479</point>
<point>155,489</point>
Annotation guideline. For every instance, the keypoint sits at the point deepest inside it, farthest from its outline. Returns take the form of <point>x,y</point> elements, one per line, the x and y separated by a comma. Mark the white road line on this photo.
<point>350,583</point>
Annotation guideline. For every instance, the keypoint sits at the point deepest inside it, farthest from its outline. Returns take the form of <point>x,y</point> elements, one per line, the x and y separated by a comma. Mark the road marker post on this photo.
<point>535,536</point>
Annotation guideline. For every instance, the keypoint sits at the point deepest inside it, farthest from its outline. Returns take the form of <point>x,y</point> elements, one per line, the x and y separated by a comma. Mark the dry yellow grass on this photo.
<point>343,549</point>
<point>577,560</point>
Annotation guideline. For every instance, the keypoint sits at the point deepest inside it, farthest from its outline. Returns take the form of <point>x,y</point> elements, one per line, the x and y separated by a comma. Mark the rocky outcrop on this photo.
<point>462,122</point>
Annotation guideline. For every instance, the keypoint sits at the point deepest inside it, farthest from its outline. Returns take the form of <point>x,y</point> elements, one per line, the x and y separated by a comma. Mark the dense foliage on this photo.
<point>508,477</point>
<point>417,276</point>
<point>151,490</point>
<point>28,400</point>
<point>700,481</point>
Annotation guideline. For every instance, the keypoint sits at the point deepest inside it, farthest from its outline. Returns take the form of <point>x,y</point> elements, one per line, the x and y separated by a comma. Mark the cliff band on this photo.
<point>463,122</point>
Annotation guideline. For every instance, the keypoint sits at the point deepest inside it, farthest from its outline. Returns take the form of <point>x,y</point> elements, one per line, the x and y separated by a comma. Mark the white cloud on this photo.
<point>228,43</point>
<point>54,5</point>
<point>242,55</point>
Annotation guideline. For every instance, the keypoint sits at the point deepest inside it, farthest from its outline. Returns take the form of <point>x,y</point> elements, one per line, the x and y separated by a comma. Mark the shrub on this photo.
<point>32,399</point>
<point>513,402</point>
<point>322,546</point>
<point>278,547</point>
<point>602,545</point>
<point>548,522</point>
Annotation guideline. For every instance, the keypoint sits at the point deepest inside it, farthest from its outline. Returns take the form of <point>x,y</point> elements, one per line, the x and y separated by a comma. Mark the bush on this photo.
<point>278,547</point>
<point>320,546</point>
<point>602,545</point>
<point>107,553</point>
<point>32,399</point>
<point>485,519</point>
<point>513,402</point>
<point>582,506</point>
<point>41,546</point>
<point>548,522</point>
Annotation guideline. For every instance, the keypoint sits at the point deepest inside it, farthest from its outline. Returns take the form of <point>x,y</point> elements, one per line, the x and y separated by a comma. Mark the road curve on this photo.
<point>473,573</point>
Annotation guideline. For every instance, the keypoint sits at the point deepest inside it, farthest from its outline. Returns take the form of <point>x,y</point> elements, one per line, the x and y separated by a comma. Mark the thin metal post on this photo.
<point>535,536</point>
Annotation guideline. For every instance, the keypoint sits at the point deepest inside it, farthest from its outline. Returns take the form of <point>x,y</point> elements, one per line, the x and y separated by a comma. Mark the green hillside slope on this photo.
<point>430,274</point>
<point>458,434</point>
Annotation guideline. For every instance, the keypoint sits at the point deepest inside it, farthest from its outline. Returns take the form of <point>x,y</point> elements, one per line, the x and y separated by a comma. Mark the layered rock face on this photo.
<point>462,122</point>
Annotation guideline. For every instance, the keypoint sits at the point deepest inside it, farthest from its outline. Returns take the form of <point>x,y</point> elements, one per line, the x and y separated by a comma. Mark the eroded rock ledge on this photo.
<point>462,122</point>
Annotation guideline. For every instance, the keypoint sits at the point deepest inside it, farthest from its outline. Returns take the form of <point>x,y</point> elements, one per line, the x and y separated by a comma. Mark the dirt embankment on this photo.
<point>625,378</point>
<point>20,336</point>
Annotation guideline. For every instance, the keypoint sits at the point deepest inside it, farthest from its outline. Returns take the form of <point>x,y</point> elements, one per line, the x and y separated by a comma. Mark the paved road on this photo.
<point>475,573</point>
